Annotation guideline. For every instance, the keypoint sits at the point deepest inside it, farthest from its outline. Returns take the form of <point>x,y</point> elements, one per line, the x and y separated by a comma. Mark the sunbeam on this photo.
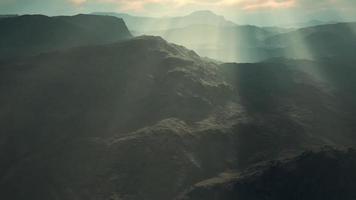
<point>177,99</point>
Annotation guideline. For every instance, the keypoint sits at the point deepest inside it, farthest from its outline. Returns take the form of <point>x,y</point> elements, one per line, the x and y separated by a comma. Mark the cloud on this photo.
<point>247,5</point>
<point>78,2</point>
<point>269,4</point>
<point>141,5</point>
<point>172,6</point>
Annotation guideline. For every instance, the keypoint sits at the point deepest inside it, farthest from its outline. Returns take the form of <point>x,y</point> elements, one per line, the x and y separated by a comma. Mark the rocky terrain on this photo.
<point>141,118</point>
<point>304,177</point>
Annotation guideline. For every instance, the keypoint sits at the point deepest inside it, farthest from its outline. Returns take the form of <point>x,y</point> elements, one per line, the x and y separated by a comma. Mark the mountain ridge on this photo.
<point>32,34</point>
<point>142,25</point>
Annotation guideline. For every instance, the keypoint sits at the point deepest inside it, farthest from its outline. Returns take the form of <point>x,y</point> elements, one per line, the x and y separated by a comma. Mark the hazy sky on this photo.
<point>241,11</point>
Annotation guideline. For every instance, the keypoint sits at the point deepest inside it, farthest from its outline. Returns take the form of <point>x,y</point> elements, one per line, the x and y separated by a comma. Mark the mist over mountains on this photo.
<point>142,25</point>
<point>88,111</point>
<point>215,37</point>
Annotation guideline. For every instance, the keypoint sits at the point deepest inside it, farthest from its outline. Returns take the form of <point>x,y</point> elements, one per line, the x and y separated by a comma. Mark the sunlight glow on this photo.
<point>271,4</point>
<point>139,5</point>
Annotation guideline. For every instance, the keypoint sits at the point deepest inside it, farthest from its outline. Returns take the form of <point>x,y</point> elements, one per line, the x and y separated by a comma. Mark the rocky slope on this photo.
<point>98,121</point>
<point>146,119</point>
<point>327,174</point>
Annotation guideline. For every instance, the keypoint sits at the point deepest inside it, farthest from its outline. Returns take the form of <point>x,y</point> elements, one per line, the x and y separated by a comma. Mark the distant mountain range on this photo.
<point>140,24</point>
<point>215,37</point>
<point>144,25</point>
<point>228,43</point>
<point>311,23</point>
<point>254,44</point>
<point>317,41</point>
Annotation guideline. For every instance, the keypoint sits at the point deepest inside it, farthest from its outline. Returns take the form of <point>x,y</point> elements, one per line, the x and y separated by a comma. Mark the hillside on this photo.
<point>83,126</point>
<point>292,105</point>
<point>101,122</point>
<point>326,174</point>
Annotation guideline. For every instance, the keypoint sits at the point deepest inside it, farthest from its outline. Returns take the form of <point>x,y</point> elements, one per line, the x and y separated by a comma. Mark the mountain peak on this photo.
<point>203,13</point>
<point>208,17</point>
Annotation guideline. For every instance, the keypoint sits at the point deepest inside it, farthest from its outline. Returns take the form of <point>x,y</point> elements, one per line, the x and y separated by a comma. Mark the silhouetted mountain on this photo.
<point>136,24</point>
<point>205,17</point>
<point>7,16</point>
<point>327,174</point>
<point>33,34</point>
<point>144,25</point>
<point>277,29</point>
<point>311,23</point>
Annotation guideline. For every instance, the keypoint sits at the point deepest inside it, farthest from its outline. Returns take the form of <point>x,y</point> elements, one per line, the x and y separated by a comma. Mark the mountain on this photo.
<point>213,36</point>
<point>292,105</point>
<point>136,24</point>
<point>203,17</point>
<point>310,23</point>
<point>255,44</point>
<point>316,42</point>
<point>229,43</point>
<point>326,174</point>
<point>144,25</point>
<point>277,29</point>
<point>101,122</point>
<point>147,119</point>
<point>7,16</point>
<point>32,34</point>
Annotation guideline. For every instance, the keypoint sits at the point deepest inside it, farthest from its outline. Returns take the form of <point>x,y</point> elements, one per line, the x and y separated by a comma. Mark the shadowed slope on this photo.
<point>328,174</point>
<point>146,119</point>
<point>32,34</point>
<point>72,120</point>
